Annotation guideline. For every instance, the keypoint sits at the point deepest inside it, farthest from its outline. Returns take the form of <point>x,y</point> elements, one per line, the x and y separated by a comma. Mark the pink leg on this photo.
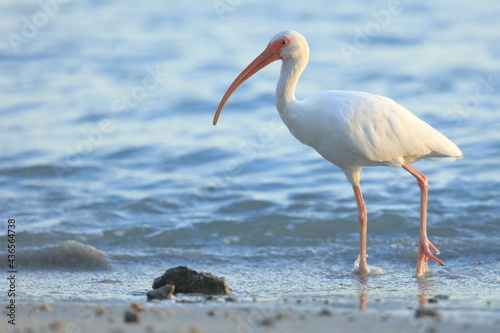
<point>424,254</point>
<point>363,221</point>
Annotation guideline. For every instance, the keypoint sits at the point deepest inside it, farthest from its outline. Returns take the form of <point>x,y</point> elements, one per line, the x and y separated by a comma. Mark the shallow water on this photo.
<point>106,141</point>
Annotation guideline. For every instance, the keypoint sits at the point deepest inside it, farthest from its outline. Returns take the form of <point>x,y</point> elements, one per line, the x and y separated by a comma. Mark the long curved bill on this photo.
<point>270,54</point>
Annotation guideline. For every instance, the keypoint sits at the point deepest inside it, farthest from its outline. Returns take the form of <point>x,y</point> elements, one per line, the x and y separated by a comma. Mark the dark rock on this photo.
<point>188,281</point>
<point>164,292</point>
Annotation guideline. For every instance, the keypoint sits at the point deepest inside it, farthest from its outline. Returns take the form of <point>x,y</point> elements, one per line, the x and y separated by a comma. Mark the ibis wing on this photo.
<point>369,129</point>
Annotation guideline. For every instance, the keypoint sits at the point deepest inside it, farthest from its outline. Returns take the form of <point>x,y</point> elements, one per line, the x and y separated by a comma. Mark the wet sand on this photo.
<point>299,314</point>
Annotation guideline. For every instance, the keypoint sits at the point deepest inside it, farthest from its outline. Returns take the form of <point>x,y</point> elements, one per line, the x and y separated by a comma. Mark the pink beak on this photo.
<point>270,54</point>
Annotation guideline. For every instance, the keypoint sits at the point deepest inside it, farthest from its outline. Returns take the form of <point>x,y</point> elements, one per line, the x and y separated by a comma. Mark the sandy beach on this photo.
<point>192,314</point>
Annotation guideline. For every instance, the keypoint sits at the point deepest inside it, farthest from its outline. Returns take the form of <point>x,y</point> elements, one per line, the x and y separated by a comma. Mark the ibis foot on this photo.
<point>424,254</point>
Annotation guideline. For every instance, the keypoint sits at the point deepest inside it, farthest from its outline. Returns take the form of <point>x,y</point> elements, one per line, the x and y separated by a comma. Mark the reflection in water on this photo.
<point>363,292</point>
<point>424,286</point>
<point>422,300</point>
<point>363,298</point>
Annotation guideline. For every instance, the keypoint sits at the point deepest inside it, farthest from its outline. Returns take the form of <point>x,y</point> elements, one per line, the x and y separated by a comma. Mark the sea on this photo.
<point>111,171</point>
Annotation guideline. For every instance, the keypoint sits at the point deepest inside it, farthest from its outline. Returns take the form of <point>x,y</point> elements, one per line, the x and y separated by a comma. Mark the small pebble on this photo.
<point>231,299</point>
<point>267,322</point>
<point>213,313</point>
<point>99,310</point>
<point>326,312</point>
<point>164,292</point>
<point>131,317</point>
<point>45,307</point>
<point>281,316</point>
<point>57,326</point>
<point>137,307</point>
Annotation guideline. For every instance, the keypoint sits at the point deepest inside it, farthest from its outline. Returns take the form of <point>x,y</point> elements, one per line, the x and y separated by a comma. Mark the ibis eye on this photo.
<point>284,42</point>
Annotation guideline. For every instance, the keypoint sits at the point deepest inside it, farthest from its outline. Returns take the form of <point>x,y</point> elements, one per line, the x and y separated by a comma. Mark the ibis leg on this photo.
<point>363,222</point>
<point>424,253</point>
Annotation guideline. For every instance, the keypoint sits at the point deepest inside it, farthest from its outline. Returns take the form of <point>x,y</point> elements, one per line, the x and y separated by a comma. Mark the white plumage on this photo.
<point>351,129</point>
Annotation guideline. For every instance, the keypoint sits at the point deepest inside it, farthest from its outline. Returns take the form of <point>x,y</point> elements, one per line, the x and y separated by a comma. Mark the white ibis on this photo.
<point>351,129</point>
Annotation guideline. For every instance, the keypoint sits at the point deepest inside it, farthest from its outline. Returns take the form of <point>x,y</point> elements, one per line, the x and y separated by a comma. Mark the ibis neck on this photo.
<point>291,69</point>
